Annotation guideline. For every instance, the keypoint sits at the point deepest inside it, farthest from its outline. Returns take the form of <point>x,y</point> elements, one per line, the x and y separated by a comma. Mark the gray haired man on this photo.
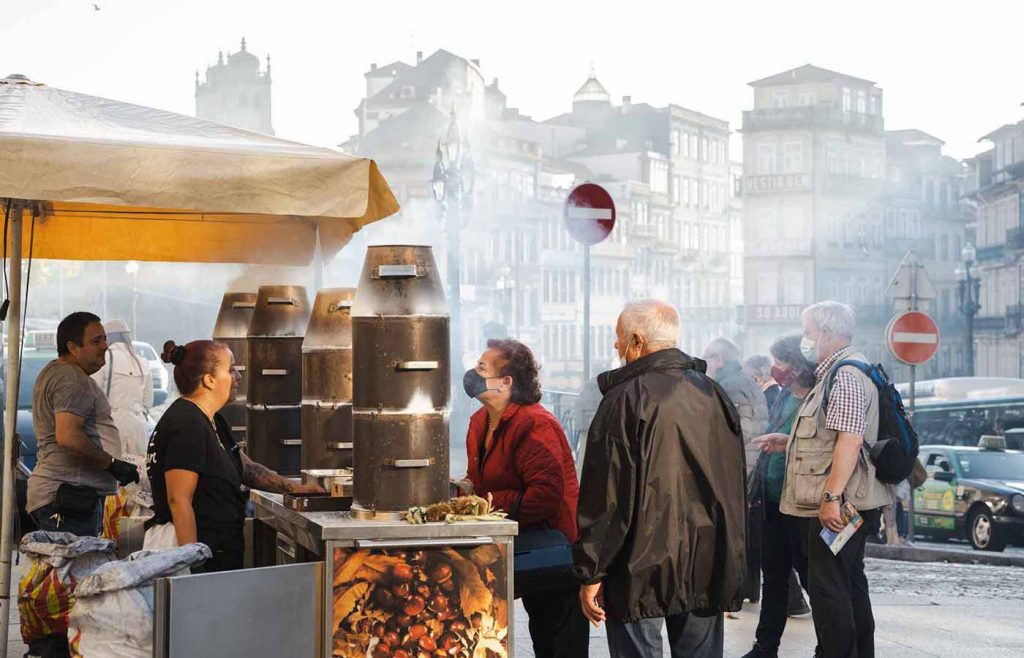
<point>723,359</point>
<point>826,465</point>
<point>661,505</point>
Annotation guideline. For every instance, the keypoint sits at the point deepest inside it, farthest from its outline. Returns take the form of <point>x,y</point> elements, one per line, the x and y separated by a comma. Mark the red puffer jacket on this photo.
<point>528,470</point>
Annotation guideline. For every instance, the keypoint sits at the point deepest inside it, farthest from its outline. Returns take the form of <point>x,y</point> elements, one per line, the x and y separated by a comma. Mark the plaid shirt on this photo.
<point>847,403</point>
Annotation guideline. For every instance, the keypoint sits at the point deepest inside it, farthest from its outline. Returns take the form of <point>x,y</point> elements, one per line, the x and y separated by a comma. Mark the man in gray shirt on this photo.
<point>77,463</point>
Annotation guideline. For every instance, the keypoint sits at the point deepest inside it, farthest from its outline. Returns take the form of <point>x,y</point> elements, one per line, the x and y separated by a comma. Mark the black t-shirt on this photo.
<point>184,439</point>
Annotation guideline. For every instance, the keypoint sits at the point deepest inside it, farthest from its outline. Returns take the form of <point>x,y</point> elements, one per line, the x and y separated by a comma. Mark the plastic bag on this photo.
<point>160,537</point>
<point>57,561</point>
<point>113,616</point>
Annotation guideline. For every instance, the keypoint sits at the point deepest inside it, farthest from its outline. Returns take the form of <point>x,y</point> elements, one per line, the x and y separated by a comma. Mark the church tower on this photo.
<point>236,92</point>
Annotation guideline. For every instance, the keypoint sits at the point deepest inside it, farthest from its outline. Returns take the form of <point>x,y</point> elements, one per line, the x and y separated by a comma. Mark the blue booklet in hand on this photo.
<point>836,540</point>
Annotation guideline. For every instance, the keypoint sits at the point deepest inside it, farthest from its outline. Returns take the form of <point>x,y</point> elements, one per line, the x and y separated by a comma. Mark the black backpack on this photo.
<point>895,451</point>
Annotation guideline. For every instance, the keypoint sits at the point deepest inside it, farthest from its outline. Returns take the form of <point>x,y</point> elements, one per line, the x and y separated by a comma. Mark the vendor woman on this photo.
<point>196,468</point>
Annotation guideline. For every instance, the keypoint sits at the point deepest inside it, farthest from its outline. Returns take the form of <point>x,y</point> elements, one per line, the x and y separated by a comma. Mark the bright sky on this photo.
<point>949,68</point>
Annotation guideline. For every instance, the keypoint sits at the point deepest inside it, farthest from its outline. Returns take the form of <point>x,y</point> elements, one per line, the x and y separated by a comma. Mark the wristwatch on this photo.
<point>829,497</point>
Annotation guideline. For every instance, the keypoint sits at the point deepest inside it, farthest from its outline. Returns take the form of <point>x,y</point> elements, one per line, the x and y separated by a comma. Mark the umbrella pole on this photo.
<point>10,419</point>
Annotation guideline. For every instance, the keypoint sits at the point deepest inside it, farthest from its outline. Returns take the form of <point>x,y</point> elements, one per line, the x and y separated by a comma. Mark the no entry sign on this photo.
<point>912,337</point>
<point>589,213</point>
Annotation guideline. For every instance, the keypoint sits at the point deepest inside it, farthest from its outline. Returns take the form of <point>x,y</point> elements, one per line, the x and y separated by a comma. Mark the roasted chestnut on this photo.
<point>401,653</point>
<point>414,606</point>
<point>439,603</point>
<point>423,590</point>
<point>459,625</point>
<point>440,572</point>
<point>427,643</point>
<point>416,631</point>
<point>448,585</point>
<point>423,654</point>
<point>477,620</point>
<point>402,620</point>
<point>382,650</point>
<point>379,630</point>
<point>393,638</point>
<point>448,640</point>
<point>400,590</point>
<point>401,572</point>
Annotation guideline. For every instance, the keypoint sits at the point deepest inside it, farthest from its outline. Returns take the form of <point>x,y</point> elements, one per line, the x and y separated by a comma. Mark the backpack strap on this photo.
<point>834,370</point>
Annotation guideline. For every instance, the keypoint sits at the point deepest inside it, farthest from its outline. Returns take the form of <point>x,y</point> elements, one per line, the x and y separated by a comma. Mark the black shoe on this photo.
<point>759,652</point>
<point>798,608</point>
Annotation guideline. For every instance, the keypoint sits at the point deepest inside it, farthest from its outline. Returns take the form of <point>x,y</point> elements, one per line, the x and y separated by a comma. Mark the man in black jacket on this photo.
<point>661,506</point>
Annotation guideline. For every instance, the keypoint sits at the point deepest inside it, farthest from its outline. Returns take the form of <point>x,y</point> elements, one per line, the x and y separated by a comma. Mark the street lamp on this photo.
<point>968,297</point>
<point>132,269</point>
<point>451,184</point>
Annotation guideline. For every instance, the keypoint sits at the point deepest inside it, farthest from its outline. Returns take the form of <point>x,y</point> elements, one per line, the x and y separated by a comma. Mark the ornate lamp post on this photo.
<point>968,297</point>
<point>452,183</point>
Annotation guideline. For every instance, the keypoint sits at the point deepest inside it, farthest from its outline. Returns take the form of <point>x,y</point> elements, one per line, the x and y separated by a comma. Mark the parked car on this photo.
<point>973,493</point>
<point>161,379</point>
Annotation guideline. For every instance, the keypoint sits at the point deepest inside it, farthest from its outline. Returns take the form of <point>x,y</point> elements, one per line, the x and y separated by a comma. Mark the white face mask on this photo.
<point>809,349</point>
<point>620,361</point>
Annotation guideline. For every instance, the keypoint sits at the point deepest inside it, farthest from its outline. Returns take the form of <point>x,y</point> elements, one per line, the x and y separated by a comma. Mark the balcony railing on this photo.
<point>781,118</point>
<point>990,324</point>
<point>991,252</point>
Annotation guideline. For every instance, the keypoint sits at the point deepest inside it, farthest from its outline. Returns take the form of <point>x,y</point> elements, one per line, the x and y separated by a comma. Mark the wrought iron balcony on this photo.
<point>807,116</point>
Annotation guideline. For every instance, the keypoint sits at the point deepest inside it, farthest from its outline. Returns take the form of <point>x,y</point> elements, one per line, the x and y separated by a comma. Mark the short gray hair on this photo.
<point>655,320</point>
<point>837,318</point>
<point>760,364</point>
<point>725,348</point>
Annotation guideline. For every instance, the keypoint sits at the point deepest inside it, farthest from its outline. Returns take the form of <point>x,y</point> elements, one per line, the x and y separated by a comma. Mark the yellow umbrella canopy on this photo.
<point>116,181</point>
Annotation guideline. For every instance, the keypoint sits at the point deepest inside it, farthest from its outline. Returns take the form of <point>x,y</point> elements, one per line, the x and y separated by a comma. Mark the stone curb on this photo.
<point>921,554</point>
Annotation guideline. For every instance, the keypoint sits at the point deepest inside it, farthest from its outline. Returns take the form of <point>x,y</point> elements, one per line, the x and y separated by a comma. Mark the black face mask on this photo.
<point>474,383</point>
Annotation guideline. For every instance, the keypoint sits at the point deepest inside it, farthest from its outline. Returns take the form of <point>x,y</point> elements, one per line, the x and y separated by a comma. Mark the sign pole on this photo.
<point>586,314</point>
<point>913,395</point>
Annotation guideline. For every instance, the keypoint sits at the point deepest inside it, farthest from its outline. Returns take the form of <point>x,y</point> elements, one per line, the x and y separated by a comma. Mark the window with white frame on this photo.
<point>793,157</point>
<point>694,146</point>
<point>766,158</point>
<point>675,142</point>
<point>768,288</point>
<point>793,287</point>
<point>780,98</point>
<point>862,102</point>
<point>847,99</point>
<point>704,149</point>
<point>807,97</point>
<point>684,139</point>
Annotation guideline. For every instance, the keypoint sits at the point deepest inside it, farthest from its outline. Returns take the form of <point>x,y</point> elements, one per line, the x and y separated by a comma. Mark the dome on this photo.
<point>591,91</point>
<point>244,57</point>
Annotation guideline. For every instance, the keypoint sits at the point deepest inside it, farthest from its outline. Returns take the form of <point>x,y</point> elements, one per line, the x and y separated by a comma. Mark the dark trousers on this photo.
<point>781,553</point>
<point>840,602</point>
<point>689,636</point>
<point>755,521</point>
<point>557,625</point>
<point>86,525</point>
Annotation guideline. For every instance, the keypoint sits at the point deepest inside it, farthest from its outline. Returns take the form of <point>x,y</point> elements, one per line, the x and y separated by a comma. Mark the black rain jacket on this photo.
<point>662,493</point>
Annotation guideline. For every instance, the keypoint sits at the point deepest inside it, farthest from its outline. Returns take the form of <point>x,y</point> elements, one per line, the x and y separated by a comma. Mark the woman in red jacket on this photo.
<point>518,453</point>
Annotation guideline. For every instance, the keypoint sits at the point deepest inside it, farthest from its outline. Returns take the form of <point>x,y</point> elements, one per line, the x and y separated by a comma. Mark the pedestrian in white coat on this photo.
<point>126,380</point>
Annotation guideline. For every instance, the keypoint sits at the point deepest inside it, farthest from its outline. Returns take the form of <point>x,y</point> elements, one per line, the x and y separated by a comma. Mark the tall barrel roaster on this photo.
<point>232,329</point>
<point>400,390</point>
<point>274,399</point>
<point>327,382</point>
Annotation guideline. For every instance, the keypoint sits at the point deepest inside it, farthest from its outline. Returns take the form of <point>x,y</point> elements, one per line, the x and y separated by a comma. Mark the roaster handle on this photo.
<point>243,305</point>
<point>440,541</point>
<point>282,300</point>
<point>343,305</point>
<point>339,445</point>
<point>240,367</point>
<point>274,372</point>
<point>290,442</point>
<point>417,365</point>
<point>403,271</point>
<point>409,463</point>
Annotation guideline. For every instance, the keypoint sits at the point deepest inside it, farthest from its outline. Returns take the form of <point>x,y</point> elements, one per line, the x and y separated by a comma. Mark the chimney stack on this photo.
<point>419,57</point>
<point>373,67</point>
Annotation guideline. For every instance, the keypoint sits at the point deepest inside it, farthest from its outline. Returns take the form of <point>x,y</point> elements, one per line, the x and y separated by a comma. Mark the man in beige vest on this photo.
<point>826,464</point>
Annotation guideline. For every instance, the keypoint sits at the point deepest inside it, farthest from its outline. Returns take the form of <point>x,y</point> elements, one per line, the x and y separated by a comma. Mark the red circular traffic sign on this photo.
<point>589,213</point>
<point>912,337</point>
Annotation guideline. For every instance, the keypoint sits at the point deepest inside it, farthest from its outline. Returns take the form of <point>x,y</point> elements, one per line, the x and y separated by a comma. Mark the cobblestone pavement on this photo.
<point>921,609</point>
